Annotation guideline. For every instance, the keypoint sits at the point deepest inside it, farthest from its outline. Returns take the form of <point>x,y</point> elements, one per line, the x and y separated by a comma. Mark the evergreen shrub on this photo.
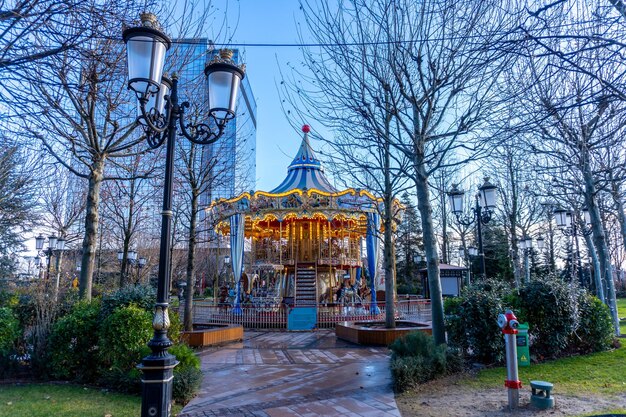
<point>73,344</point>
<point>187,374</point>
<point>471,321</point>
<point>122,342</point>
<point>416,359</point>
<point>595,327</point>
<point>550,306</point>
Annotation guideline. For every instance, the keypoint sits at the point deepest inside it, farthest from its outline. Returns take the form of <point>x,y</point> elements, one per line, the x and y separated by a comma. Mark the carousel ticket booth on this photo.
<point>306,238</point>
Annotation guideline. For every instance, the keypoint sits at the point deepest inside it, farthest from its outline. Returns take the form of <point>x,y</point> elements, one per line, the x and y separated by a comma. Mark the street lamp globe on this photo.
<point>455,196</point>
<point>472,251</point>
<point>529,242</point>
<point>587,216</point>
<point>120,255</point>
<point>142,262</point>
<point>52,241</point>
<point>132,255</point>
<point>223,81</point>
<point>561,217</point>
<point>60,244</point>
<point>488,194</point>
<point>156,102</point>
<point>541,243</point>
<point>39,240</point>
<point>146,47</point>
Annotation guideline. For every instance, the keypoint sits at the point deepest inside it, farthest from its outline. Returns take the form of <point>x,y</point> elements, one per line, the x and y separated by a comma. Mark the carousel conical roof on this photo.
<point>305,171</point>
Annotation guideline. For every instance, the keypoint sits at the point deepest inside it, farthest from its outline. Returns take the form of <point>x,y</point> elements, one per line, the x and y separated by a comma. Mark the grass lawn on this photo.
<point>621,312</point>
<point>601,373</point>
<point>43,400</point>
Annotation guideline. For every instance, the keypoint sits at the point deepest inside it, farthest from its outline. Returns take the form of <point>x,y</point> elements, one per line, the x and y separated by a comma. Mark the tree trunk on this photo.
<point>432,257</point>
<point>597,272</point>
<point>599,240</point>
<point>91,229</point>
<point>388,255</point>
<point>191,254</point>
<point>619,208</point>
<point>127,236</point>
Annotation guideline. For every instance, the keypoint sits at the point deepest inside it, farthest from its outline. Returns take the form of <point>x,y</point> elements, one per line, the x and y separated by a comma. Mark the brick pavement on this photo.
<point>294,374</point>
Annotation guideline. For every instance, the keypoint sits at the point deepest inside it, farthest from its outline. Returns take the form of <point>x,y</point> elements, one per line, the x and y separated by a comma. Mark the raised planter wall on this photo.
<point>217,335</point>
<point>362,334</point>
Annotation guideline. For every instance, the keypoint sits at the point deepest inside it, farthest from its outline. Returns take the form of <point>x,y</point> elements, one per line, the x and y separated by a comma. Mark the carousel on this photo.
<point>305,241</point>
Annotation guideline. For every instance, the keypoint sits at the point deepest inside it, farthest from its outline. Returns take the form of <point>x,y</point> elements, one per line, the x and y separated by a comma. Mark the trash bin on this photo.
<point>523,351</point>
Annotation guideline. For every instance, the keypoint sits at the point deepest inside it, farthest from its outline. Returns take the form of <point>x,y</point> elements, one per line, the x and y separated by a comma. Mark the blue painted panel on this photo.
<point>302,318</point>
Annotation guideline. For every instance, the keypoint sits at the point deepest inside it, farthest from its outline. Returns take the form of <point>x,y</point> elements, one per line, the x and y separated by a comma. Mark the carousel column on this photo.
<point>372,256</point>
<point>237,226</point>
<point>280,241</point>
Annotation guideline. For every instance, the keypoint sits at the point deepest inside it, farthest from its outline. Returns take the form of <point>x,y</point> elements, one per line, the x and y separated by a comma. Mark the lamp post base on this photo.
<point>156,385</point>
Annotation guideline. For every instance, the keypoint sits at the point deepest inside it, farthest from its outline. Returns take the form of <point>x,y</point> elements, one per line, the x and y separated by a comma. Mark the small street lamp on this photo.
<point>526,245</point>
<point>55,244</point>
<point>161,116</point>
<point>481,212</point>
<point>570,227</point>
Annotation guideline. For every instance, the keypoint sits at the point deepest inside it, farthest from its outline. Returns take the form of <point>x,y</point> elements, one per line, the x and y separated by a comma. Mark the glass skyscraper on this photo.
<point>234,154</point>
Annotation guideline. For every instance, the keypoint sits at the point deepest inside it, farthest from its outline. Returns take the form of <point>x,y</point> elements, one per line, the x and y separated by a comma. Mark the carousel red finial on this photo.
<point>306,128</point>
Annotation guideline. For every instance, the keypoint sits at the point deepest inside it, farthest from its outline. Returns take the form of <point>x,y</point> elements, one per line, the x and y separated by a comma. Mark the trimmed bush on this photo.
<point>471,321</point>
<point>73,344</point>
<point>122,343</point>
<point>176,326</point>
<point>595,328</point>
<point>187,374</point>
<point>186,384</point>
<point>550,306</point>
<point>416,359</point>
<point>142,296</point>
<point>9,331</point>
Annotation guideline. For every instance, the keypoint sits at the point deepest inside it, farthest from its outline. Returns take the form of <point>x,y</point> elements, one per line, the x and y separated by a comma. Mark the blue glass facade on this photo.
<point>235,152</point>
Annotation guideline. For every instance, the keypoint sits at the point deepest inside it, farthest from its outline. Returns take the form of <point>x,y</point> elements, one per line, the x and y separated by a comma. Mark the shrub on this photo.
<point>176,326</point>
<point>122,341</point>
<point>9,330</point>
<point>187,374</point>
<point>595,328</point>
<point>550,306</point>
<point>185,356</point>
<point>73,344</point>
<point>416,359</point>
<point>472,321</point>
<point>142,296</point>
<point>187,382</point>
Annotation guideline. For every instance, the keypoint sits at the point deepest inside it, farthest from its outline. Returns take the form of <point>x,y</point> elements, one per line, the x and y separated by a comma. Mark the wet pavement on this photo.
<point>294,374</point>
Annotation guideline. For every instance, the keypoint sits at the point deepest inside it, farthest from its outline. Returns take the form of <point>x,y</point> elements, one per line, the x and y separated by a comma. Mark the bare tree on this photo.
<point>576,120</point>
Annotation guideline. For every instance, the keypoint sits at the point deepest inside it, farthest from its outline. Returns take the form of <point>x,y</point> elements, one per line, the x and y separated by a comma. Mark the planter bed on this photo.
<point>213,334</point>
<point>374,332</point>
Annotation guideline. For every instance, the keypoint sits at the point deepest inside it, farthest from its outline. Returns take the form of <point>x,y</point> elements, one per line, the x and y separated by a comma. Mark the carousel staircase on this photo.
<point>306,294</point>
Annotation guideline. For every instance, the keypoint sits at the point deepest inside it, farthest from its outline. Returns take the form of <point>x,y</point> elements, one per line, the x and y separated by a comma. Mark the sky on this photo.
<point>267,21</point>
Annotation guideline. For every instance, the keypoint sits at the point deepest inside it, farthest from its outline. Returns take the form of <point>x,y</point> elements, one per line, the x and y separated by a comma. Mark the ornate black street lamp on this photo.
<point>481,212</point>
<point>526,245</point>
<point>160,116</point>
<point>54,244</point>
<point>570,227</point>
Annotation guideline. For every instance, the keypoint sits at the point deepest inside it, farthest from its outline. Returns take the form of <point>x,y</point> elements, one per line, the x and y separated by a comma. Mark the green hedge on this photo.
<point>416,359</point>
<point>73,344</point>
<point>562,318</point>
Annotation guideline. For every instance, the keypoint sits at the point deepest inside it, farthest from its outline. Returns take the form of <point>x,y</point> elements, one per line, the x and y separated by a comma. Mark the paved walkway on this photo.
<point>294,374</point>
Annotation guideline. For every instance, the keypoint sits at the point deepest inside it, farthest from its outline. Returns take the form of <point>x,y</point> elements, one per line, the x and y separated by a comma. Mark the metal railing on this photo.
<point>252,317</point>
